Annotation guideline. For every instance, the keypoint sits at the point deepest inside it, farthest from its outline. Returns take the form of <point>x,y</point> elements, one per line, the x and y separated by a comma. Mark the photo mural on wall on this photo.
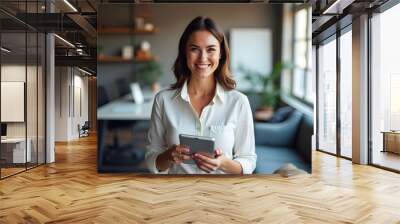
<point>199,92</point>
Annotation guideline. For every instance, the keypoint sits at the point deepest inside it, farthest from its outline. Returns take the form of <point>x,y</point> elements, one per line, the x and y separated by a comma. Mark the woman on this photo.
<point>202,102</point>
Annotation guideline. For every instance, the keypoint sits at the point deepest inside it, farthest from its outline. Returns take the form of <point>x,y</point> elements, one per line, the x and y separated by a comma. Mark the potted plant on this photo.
<point>269,85</point>
<point>149,73</point>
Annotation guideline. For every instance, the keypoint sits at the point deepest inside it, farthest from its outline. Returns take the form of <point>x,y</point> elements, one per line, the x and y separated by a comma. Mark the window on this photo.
<point>327,96</point>
<point>385,88</point>
<point>311,80</point>
<point>302,77</point>
<point>22,74</point>
<point>346,94</point>
<point>334,106</point>
<point>287,47</point>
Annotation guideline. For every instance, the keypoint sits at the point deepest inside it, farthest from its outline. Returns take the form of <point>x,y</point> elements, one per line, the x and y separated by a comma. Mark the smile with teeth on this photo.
<point>202,66</point>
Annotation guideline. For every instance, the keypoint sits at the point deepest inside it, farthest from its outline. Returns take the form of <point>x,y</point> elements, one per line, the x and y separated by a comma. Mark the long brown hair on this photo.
<point>222,73</point>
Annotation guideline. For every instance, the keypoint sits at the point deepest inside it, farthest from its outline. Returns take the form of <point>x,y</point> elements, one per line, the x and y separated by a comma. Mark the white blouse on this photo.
<point>227,118</point>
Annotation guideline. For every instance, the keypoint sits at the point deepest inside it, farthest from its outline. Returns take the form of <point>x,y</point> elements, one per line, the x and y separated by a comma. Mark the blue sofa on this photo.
<point>285,142</point>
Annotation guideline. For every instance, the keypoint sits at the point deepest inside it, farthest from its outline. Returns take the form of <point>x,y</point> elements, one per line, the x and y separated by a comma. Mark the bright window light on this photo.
<point>5,50</point>
<point>70,5</point>
<point>65,41</point>
<point>84,71</point>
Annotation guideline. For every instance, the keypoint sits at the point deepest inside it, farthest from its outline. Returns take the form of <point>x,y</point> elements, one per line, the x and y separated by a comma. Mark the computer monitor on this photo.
<point>3,129</point>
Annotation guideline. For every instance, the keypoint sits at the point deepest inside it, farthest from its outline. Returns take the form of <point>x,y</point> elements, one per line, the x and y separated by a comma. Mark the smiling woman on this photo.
<point>204,31</point>
<point>202,102</point>
<point>203,54</point>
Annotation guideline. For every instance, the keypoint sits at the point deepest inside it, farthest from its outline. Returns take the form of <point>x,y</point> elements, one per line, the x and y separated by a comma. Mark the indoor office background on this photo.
<point>74,97</point>
<point>22,107</point>
<point>70,70</point>
<point>334,60</point>
<point>385,89</point>
<point>263,37</point>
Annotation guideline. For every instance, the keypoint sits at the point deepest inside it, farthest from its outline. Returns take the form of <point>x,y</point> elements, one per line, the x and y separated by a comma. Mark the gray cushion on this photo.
<point>278,134</point>
<point>281,114</point>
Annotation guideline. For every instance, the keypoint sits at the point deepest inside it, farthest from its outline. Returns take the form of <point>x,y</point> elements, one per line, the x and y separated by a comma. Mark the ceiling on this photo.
<point>77,22</point>
<point>328,16</point>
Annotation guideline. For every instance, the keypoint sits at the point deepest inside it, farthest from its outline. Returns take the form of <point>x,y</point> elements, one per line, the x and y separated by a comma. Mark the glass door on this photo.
<point>14,154</point>
<point>346,93</point>
<point>22,67</point>
<point>327,96</point>
<point>385,89</point>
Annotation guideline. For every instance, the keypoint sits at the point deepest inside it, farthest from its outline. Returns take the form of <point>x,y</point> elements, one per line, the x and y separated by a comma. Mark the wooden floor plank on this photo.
<point>71,191</point>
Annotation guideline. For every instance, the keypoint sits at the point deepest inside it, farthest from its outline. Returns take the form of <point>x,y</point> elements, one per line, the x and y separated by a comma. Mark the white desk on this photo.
<point>18,150</point>
<point>126,109</point>
<point>119,111</point>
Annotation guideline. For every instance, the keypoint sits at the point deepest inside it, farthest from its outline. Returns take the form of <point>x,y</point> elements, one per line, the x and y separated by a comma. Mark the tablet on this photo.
<point>197,144</point>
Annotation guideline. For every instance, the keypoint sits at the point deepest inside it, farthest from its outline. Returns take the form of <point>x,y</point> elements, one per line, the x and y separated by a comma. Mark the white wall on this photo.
<point>14,73</point>
<point>71,94</point>
<point>17,73</point>
<point>61,103</point>
<point>33,106</point>
<point>81,104</point>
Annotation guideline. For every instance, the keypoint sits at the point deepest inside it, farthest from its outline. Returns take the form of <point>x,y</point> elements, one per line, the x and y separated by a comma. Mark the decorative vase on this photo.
<point>264,113</point>
<point>155,87</point>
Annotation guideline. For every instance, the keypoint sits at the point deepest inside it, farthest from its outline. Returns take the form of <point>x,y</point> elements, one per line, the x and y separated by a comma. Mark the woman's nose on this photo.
<point>203,55</point>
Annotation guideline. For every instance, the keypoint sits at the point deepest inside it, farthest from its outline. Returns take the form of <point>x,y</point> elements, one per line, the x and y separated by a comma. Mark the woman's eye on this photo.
<point>193,49</point>
<point>211,49</point>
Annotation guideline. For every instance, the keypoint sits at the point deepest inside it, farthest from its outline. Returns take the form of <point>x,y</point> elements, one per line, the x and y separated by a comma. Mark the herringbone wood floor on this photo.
<point>71,191</point>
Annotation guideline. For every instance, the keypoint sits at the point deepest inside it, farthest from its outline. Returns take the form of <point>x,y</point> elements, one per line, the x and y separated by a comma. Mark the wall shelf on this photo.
<point>119,59</point>
<point>126,30</point>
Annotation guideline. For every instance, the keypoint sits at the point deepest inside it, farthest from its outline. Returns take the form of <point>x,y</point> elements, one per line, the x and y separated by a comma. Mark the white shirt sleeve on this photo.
<point>155,137</point>
<point>244,148</point>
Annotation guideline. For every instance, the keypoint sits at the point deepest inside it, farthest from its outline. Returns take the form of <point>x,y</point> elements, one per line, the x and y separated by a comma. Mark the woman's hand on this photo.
<point>178,154</point>
<point>174,155</point>
<point>209,164</point>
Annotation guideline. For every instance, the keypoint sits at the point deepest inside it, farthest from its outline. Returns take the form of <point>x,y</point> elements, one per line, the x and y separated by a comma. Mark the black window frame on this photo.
<point>334,37</point>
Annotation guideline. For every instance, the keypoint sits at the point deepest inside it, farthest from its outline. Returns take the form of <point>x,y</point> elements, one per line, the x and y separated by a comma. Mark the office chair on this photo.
<point>102,96</point>
<point>84,129</point>
<point>117,154</point>
<point>123,87</point>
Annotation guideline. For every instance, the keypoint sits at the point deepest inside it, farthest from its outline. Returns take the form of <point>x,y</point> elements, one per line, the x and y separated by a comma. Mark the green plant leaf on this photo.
<point>270,83</point>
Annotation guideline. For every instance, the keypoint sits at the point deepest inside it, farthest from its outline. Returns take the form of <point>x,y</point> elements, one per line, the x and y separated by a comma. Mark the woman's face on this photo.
<point>202,54</point>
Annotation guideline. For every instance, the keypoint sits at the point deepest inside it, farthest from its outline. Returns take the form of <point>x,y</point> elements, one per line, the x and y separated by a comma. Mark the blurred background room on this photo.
<point>270,60</point>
